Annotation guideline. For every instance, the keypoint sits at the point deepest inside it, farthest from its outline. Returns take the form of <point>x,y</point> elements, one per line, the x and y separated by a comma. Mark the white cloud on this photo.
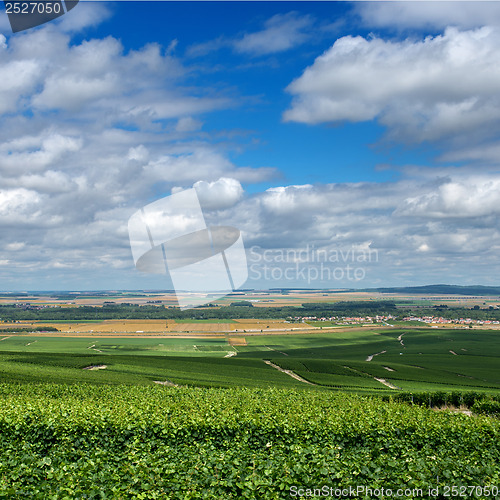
<point>48,182</point>
<point>42,151</point>
<point>42,70</point>
<point>425,90</point>
<point>40,45</point>
<point>290,199</point>
<point>90,133</point>
<point>434,15</point>
<point>220,194</point>
<point>473,197</point>
<point>70,180</point>
<point>5,25</point>
<point>422,242</point>
<point>71,92</point>
<point>97,73</point>
<point>486,153</point>
<point>139,153</point>
<point>281,32</point>
<point>84,15</point>
<point>18,78</point>
<point>15,246</point>
<point>188,124</point>
<point>18,203</point>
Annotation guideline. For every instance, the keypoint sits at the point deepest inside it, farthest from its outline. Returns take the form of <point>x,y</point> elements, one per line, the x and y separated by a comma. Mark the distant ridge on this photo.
<point>442,289</point>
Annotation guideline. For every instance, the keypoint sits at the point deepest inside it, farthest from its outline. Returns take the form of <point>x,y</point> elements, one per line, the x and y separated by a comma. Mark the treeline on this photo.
<point>452,312</point>
<point>238,310</point>
<point>15,329</point>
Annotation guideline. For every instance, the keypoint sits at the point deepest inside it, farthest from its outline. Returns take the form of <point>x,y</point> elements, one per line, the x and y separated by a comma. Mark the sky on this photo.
<point>353,144</point>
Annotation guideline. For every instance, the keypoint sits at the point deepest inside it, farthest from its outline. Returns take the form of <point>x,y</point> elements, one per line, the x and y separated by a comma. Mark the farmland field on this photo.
<point>160,326</point>
<point>363,360</point>
<point>244,408</point>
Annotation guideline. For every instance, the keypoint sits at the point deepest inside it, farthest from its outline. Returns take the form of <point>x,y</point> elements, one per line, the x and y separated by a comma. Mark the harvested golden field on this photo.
<point>266,325</point>
<point>199,327</point>
<point>144,327</point>
<point>237,341</point>
<point>119,326</point>
<point>127,326</point>
<point>106,326</point>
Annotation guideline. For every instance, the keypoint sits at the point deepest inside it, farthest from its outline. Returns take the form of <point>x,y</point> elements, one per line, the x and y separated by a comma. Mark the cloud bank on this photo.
<point>91,132</point>
<point>435,88</point>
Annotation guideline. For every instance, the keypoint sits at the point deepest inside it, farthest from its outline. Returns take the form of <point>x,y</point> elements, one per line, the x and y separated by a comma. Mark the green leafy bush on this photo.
<point>75,442</point>
<point>487,406</point>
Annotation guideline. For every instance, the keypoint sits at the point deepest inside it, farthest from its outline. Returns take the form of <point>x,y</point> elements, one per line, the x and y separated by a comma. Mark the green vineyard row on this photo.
<point>75,442</point>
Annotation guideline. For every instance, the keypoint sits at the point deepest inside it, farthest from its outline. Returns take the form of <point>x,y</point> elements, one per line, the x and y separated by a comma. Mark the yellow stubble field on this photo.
<point>141,327</point>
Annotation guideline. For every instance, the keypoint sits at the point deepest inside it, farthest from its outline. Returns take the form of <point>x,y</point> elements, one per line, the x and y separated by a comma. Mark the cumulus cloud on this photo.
<point>48,182</point>
<point>18,201</point>
<point>201,163</point>
<point>4,25</point>
<point>220,194</point>
<point>434,15</point>
<point>88,14</point>
<point>91,133</point>
<point>204,48</point>
<point>425,90</point>
<point>416,238</point>
<point>18,78</point>
<point>42,151</point>
<point>43,71</point>
<point>474,197</point>
<point>487,154</point>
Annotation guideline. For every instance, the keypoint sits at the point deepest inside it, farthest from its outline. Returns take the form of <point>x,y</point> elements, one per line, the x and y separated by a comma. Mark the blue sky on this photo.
<point>332,126</point>
<point>259,81</point>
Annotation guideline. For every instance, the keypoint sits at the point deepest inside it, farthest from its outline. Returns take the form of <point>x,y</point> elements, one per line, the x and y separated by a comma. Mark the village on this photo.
<point>389,320</point>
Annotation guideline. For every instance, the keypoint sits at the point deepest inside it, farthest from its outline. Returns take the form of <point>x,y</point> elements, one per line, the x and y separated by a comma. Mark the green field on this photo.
<point>138,346</point>
<point>321,323</point>
<point>402,324</point>
<point>333,361</point>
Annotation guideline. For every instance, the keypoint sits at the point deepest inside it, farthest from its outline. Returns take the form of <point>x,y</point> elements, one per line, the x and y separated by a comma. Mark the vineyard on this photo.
<point>364,361</point>
<point>248,415</point>
<point>75,442</point>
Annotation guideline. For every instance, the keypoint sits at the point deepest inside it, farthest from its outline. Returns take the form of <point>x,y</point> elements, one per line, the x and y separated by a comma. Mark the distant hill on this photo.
<point>441,289</point>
